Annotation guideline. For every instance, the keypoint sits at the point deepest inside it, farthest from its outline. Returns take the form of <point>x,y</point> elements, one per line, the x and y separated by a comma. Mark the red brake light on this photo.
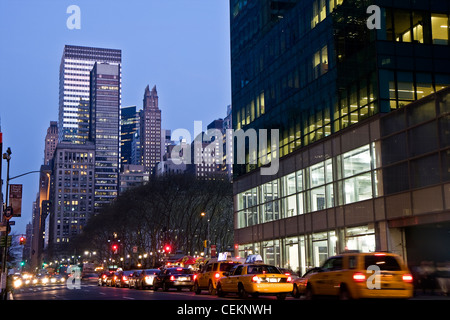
<point>255,279</point>
<point>407,277</point>
<point>124,278</point>
<point>359,277</point>
<point>195,276</point>
<point>289,279</point>
<point>179,269</point>
<point>172,278</point>
<point>104,276</point>
<point>217,275</point>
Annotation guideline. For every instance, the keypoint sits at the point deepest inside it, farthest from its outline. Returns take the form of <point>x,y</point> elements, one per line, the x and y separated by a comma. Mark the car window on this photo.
<point>333,264</point>
<point>386,263</point>
<point>238,270</point>
<point>227,266</point>
<point>352,262</point>
<point>259,269</point>
<point>179,271</point>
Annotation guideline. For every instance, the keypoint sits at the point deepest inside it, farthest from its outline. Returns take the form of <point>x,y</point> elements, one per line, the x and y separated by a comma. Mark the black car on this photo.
<point>174,278</point>
<point>133,279</point>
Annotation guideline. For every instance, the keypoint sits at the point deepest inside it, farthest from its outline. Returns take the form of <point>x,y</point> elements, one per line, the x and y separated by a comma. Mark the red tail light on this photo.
<point>289,279</point>
<point>407,277</point>
<point>359,277</point>
<point>104,276</point>
<point>124,278</point>
<point>195,276</point>
<point>217,275</point>
<point>256,279</point>
<point>172,278</point>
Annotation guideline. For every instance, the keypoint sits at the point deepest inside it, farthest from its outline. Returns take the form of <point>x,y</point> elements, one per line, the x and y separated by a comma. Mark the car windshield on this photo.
<point>152,271</point>
<point>258,269</point>
<point>179,271</point>
<point>385,263</point>
<point>227,266</point>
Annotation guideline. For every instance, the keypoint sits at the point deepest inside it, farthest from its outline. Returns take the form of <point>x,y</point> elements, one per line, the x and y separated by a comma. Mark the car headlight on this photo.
<point>17,283</point>
<point>44,280</point>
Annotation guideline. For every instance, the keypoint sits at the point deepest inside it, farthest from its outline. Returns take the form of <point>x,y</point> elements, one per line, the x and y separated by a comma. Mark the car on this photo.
<point>111,279</point>
<point>103,276</point>
<point>88,278</point>
<point>210,274</point>
<point>146,278</point>
<point>174,278</point>
<point>123,278</point>
<point>132,279</point>
<point>300,283</point>
<point>255,279</point>
<point>355,275</point>
<point>57,278</point>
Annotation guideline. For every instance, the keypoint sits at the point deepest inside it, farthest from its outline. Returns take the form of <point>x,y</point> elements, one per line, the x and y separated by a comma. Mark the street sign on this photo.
<point>15,199</point>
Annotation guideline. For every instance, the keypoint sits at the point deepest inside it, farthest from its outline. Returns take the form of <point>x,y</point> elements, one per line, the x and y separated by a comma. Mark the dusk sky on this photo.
<point>181,46</point>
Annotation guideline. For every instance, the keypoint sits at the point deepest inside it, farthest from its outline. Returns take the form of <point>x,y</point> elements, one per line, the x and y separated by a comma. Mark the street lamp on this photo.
<point>8,214</point>
<point>203,214</point>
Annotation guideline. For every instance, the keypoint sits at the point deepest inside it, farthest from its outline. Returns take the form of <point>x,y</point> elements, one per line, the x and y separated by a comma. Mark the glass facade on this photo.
<point>312,68</point>
<point>350,177</point>
<point>303,252</point>
<point>74,84</point>
<point>104,130</point>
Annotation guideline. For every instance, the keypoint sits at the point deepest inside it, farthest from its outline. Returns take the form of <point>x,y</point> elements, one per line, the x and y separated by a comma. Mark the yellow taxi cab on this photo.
<point>355,275</point>
<point>207,279</point>
<point>255,278</point>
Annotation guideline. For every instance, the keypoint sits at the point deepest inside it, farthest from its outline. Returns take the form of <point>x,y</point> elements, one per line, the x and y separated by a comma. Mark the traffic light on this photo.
<point>22,240</point>
<point>115,248</point>
<point>167,248</point>
<point>205,243</point>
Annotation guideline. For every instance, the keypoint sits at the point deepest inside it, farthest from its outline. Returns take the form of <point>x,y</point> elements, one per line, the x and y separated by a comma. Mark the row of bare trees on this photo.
<point>165,211</point>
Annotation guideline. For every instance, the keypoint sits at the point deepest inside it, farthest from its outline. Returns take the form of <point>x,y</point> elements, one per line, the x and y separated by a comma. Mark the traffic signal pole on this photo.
<point>7,157</point>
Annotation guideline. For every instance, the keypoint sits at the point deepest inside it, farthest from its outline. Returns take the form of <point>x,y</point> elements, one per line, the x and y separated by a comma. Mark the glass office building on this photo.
<point>76,65</point>
<point>314,70</point>
<point>105,100</point>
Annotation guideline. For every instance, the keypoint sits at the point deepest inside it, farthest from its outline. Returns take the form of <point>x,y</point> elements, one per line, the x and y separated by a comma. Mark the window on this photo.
<point>320,62</point>
<point>356,161</point>
<point>333,264</point>
<point>440,28</point>
<point>238,270</point>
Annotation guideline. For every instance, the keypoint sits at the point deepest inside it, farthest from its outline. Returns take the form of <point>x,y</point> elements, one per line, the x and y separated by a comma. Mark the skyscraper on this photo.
<point>150,130</point>
<point>51,140</point>
<point>76,64</point>
<point>128,126</point>
<point>104,130</point>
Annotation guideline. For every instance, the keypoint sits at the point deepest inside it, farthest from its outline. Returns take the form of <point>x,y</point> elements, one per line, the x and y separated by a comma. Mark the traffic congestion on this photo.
<point>350,275</point>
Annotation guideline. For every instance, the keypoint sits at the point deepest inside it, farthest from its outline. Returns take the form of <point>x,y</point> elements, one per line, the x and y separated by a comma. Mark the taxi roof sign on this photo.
<point>254,258</point>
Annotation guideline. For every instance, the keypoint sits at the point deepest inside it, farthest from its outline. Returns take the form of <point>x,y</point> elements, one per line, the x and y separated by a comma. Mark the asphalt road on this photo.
<point>94,292</point>
<point>90,291</point>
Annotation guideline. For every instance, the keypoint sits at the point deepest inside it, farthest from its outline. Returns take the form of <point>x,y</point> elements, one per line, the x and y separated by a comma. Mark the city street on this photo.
<point>93,292</point>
